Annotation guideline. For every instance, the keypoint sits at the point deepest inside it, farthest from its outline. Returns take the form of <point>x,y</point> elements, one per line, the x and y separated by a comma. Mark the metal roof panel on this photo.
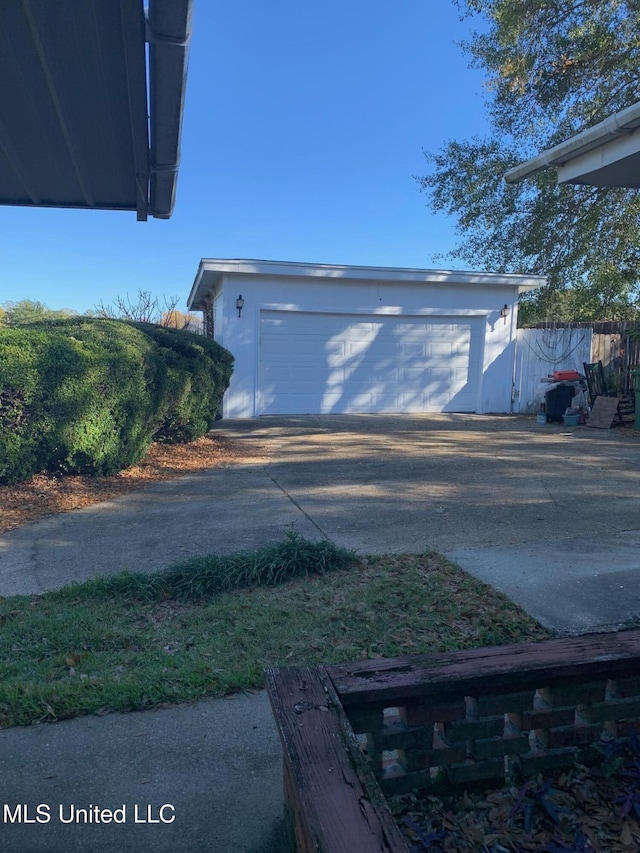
<point>73,102</point>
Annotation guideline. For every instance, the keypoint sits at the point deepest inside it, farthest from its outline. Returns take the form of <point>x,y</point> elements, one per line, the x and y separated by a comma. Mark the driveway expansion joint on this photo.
<point>297,505</point>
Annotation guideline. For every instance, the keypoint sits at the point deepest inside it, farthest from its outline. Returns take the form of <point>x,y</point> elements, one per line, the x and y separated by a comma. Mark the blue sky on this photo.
<point>304,127</point>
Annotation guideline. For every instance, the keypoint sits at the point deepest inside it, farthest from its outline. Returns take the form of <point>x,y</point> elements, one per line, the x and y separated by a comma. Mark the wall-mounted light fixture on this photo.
<point>239,304</point>
<point>504,312</point>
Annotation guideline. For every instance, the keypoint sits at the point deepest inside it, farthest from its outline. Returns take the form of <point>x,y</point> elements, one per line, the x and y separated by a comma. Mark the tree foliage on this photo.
<point>553,68</point>
<point>25,311</point>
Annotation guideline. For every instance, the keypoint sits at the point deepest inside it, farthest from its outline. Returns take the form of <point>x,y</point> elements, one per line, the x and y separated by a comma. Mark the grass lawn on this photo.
<point>136,641</point>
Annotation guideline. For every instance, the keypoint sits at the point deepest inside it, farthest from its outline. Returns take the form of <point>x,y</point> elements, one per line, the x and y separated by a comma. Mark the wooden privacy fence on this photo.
<point>353,732</point>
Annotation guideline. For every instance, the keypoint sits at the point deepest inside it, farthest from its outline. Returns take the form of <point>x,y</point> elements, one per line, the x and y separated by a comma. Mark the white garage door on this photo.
<point>322,363</point>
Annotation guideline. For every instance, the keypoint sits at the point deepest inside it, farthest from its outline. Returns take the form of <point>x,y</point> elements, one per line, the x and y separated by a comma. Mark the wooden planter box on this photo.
<point>355,732</point>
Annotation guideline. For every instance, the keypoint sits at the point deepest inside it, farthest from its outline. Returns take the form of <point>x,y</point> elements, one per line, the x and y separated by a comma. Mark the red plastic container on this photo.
<point>565,375</point>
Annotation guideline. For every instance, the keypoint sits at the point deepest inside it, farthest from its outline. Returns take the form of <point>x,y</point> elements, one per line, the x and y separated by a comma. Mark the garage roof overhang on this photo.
<point>76,127</point>
<point>605,155</point>
<point>211,271</point>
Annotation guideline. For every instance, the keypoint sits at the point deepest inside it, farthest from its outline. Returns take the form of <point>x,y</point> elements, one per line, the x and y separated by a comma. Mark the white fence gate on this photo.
<point>541,351</point>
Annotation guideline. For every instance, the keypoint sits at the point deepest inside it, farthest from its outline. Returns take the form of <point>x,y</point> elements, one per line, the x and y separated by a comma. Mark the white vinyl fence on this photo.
<point>541,351</point>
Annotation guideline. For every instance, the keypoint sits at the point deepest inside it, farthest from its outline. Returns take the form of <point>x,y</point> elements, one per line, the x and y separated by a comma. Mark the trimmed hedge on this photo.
<point>87,395</point>
<point>196,374</point>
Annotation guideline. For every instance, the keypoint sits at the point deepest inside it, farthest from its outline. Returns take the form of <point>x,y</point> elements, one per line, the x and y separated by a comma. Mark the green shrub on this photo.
<point>85,405</point>
<point>189,394</point>
<point>89,396</point>
<point>24,426</point>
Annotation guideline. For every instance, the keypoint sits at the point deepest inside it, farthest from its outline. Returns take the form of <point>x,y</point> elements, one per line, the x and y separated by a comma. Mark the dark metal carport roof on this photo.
<point>74,108</point>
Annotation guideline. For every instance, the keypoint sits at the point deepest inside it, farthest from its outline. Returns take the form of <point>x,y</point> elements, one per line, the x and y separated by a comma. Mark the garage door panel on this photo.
<point>323,363</point>
<point>437,349</point>
<point>411,350</point>
<point>385,377</point>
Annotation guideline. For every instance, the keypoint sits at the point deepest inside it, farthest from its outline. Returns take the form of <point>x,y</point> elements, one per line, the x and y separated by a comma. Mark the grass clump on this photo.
<point>92,648</point>
<point>210,574</point>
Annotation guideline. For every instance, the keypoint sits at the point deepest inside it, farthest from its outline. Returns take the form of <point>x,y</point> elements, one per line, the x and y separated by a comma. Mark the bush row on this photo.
<point>84,395</point>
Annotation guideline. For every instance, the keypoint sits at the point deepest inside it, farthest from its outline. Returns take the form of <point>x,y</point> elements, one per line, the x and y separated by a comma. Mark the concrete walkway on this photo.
<point>551,516</point>
<point>216,767</point>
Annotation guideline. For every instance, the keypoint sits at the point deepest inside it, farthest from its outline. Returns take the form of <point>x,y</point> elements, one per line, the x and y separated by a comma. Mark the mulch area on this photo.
<point>586,810</point>
<point>47,494</point>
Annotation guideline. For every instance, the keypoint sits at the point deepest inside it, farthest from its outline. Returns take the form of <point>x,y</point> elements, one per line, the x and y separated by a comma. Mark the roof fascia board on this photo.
<point>211,272</point>
<point>200,286</point>
<point>387,274</point>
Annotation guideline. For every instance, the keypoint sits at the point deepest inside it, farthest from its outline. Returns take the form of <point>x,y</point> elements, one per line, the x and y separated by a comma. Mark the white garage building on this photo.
<point>320,339</point>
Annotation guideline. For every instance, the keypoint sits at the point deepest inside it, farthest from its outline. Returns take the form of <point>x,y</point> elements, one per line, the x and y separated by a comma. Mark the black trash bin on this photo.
<point>558,400</point>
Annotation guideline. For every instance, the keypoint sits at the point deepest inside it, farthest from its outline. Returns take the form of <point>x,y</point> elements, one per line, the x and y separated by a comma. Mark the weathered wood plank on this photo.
<point>620,709</point>
<point>338,806</point>
<point>367,721</point>
<point>496,747</point>
<point>553,760</point>
<point>421,759</point>
<point>583,693</point>
<point>625,687</point>
<point>474,729</point>
<point>573,736</point>
<point>545,718</point>
<point>481,672</point>
<point>505,703</point>
<point>421,714</point>
<point>462,774</point>
<point>407,739</point>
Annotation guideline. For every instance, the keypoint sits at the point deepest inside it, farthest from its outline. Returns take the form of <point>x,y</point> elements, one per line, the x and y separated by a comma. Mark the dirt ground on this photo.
<point>47,494</point>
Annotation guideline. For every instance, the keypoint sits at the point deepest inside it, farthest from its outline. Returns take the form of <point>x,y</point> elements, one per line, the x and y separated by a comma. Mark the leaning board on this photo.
<point>603,412</point>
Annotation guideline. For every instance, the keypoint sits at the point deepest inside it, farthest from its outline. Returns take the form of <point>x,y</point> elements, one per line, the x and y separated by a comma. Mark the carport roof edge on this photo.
<point>211,270</point>
<point>89,117</point>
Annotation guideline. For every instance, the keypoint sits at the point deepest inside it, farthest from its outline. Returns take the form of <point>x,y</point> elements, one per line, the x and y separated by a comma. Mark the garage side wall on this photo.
<point>407,306</point>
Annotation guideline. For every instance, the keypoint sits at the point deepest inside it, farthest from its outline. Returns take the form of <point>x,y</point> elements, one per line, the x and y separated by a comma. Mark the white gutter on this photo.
<point>168,33</point>
<point>623,123</point>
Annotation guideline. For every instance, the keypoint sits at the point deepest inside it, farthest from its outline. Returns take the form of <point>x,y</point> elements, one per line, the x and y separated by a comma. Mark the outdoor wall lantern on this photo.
<point>239,304</point>
<point>504,312</point>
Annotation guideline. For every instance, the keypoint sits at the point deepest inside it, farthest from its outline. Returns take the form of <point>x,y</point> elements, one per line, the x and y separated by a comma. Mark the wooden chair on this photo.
<point>597,385</point>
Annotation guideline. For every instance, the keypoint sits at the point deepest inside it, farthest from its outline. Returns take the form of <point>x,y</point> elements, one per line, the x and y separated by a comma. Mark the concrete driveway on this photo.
<point>546,514</point>
<point>549,515</point>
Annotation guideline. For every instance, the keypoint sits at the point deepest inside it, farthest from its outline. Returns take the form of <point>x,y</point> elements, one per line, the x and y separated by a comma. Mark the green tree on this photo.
<point>26,311</point>
<point>553,68</point>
